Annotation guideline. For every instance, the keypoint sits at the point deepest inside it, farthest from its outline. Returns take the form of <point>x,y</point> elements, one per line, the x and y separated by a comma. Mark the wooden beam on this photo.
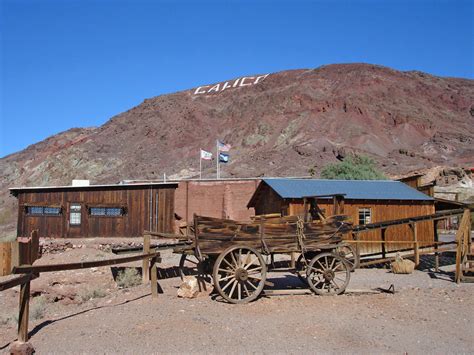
<point>24,269</point>
<point>436,240</point>
<point>146,262</point>
<point>382,232</point>
<point>24,308</point>
<point>154,278</point>
<point>5,285</point>
<point>434,216</point>
<point>415,243</point>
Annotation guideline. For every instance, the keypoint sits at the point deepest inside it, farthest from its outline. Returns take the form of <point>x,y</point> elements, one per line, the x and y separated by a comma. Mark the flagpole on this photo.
<point>200,164</point>
<point>217,160</point>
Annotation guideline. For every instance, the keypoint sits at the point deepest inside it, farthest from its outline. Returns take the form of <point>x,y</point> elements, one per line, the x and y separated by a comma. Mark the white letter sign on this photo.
<point>240,82</point>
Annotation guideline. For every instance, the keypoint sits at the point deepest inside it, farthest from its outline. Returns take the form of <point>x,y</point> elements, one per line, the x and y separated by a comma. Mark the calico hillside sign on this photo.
<point>240,82</point>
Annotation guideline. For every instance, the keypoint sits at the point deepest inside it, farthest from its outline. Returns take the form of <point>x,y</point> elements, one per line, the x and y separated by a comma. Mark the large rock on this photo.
<point>21,348</point>
<point>193,287</point>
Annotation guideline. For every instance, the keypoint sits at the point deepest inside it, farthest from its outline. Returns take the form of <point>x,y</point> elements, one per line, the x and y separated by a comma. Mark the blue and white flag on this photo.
<point>222,147</point>
<point>223,158</point>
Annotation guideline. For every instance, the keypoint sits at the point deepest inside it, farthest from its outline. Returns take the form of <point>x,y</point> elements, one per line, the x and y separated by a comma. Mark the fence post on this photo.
<point>436,240</point>
<point>383,242</point>
<point>355,236</point>
<point>146,261</point>
<point>415,243</point>
<point>24,312</point>
<point>154,279</point>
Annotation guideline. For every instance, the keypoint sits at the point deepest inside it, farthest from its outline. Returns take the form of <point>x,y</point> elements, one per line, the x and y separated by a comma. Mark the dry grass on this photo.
<point>38,308</point>
<point>91,293</point>
<point>128,278</point>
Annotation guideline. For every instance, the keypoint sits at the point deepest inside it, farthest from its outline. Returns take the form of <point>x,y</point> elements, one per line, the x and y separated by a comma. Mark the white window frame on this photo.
<point>365,215</point>
<point>75,214</point>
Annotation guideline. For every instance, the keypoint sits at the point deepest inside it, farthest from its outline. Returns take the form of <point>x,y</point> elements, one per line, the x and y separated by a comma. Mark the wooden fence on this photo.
<point>28,252</point>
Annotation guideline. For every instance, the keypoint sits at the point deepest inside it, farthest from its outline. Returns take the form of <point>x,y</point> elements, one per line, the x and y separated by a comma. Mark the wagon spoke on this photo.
<point>233,288</point>
<point>255,277</point>
<point>227,285</point>
<point>240,257</point>
<point>246,289</point>
<point>247,258</point>
<point>251,284</point>
<point>250,264</point>
<point>317,283</point>
<point>227,271</point>
<point>234,260</point>
<point>226,278</point>
<point>318,271</point>
<point>332,263</point>
<point>239,290</point>
<point>335,284</point>
<point>322,267</point>
<point>231,266</point>
<point>254,271</point>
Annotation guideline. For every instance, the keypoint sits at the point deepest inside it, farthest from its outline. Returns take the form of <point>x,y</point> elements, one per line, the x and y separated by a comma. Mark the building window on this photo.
<point>365,216</point>
<point>106,211</point>
<point>43,211</point>
<point>75,215</point>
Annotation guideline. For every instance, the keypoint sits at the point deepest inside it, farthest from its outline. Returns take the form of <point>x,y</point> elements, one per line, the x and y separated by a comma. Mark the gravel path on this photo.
<point>427,314</point>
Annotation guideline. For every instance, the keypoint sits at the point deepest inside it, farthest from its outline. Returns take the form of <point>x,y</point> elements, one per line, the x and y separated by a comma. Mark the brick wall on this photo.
<point>220,198</point>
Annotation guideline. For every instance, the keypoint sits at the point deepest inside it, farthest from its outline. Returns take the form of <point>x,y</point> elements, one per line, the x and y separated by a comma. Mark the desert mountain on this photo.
<point>280,124</point>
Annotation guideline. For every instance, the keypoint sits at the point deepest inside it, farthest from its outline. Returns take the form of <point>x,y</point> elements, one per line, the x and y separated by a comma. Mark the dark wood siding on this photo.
<point>269,201</point>
<point>147,208</point>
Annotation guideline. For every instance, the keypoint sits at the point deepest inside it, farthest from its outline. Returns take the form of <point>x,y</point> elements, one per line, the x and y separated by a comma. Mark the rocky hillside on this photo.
<point>280,124</point>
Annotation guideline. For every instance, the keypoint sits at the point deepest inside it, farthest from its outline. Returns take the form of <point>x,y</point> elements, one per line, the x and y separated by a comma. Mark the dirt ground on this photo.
<point>84,311</point>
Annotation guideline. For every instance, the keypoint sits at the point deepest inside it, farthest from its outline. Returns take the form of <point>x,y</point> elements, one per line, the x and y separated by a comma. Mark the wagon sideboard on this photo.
<point>275,235</point>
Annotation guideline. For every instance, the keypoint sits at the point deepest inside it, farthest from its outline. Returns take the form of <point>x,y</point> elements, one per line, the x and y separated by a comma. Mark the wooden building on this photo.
<point>119,210</point>
<point>364,201</point>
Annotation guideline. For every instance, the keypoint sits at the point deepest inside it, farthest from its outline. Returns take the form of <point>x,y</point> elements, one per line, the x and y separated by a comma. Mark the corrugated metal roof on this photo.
<point>352,189</point>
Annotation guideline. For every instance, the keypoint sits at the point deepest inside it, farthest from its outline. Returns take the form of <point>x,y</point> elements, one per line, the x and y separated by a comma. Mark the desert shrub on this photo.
<point>4,320</point>
<point>128,278</point>
<point>355,167</point>
<point>92,293</point>
<point>38,308</point>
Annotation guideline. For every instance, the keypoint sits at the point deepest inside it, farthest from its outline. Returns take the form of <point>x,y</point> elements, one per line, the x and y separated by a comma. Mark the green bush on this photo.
<point>128,278</point>
<point>355,167</point>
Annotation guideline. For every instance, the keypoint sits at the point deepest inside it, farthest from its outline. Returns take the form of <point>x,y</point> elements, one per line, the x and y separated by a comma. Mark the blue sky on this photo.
<point>73,63</point>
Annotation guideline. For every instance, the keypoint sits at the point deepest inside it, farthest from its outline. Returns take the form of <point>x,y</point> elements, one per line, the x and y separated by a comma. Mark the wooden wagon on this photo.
<point>235,253</point>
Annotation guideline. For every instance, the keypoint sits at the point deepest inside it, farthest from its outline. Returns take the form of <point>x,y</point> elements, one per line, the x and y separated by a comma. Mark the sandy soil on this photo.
<point>427,314</point>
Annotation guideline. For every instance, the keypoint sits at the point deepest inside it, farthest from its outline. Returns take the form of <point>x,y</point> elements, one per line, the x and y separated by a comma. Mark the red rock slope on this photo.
<point>278,125</point>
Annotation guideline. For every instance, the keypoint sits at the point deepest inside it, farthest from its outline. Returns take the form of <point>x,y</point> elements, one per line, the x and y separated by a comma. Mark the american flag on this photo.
<point>223,147</point>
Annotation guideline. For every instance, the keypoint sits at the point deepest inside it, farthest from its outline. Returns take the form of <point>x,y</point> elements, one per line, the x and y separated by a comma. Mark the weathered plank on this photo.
<point>23,269</point>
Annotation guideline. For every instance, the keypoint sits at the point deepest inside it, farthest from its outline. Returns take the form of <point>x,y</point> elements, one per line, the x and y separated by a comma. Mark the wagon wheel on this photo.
<point>328,274</point>
<point>349,253</point>
<point>301,266</point>
<point>197,267</point>
<point>239,274</point>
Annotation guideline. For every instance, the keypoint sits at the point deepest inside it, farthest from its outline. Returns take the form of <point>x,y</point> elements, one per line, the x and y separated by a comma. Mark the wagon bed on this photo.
<point>268,235</point>
<point>233,252</point>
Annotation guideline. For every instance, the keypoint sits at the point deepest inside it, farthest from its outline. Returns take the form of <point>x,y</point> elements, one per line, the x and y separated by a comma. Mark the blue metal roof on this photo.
<point>353,189</point>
